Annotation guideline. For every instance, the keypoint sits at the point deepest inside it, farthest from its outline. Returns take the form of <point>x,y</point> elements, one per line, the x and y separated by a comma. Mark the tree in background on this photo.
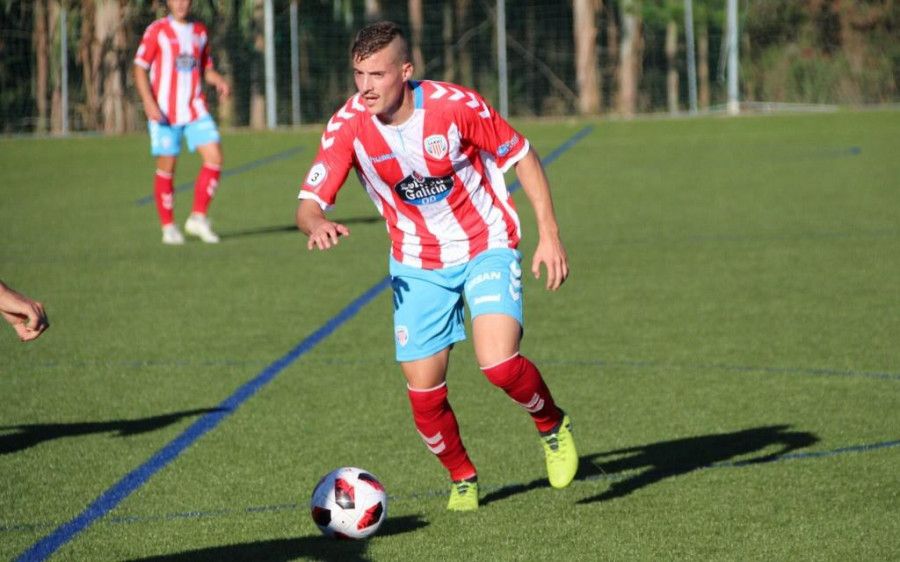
<point>630,56</point>
<point>587,68</point>
<point>580,56</point>
<point>416,26</point>
<point>822,51</point>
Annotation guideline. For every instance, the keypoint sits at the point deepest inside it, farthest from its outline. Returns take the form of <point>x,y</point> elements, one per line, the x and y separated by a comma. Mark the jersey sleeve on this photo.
<point>148,48</point>
<point>486,129</point>
<point>206,61</point>
<point>332,164</point>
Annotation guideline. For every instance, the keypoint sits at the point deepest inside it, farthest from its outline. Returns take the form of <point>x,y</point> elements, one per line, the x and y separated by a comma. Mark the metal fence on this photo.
<point>65,65</point>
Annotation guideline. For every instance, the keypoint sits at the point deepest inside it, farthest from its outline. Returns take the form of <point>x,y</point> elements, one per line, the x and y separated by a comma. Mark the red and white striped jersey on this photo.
<point>437,179</point>
<point>177,55</point>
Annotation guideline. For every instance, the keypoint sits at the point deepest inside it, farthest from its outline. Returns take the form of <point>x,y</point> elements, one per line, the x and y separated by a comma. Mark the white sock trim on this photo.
<point>513,356</point>
<point>411,389</point>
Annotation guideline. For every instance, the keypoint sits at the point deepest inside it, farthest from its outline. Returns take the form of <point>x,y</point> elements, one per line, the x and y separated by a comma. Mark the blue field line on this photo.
<point>294,506</point>
<point>109,499</point>
<point>808,455</point>
<point>818,372</point>
<point>231,171</point>
<point>42,549</point>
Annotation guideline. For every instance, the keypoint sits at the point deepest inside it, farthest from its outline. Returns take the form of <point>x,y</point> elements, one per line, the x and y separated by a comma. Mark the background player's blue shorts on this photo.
<point>428,304</point>
<point>165,140</point>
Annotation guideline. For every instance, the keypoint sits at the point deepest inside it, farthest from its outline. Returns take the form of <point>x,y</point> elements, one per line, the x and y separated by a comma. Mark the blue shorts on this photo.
<point>165,139</point>
<point>428,304</point>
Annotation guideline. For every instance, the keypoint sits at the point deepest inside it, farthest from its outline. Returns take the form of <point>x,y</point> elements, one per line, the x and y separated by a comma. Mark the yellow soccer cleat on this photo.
<point>562,458</point>
<point>463,495</point>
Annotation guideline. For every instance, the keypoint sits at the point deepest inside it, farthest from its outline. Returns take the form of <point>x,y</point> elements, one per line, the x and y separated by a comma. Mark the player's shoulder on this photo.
<point>200,27</point>
<point>156,26</point>
<point>349,112</point>
<point>346,121</point>
<point>452,99</point>
<point>437,89</point>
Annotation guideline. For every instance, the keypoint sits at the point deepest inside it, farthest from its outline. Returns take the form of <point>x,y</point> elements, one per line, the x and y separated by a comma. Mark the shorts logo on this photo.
<point>317,175</point>
<point>486,298</point>
<point>436,146</point>
<point>402,335</point>
<point>481,278</point>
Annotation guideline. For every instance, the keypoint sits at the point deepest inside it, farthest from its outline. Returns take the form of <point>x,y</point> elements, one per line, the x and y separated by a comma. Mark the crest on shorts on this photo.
<point>402,335</point>
<point>436,146</point>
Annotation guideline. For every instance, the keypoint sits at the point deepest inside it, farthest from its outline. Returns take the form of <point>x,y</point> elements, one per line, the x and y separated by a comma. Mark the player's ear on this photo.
<point>407,70</point>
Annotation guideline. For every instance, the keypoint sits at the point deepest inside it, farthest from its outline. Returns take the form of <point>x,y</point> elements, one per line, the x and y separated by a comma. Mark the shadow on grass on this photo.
<point>281,550</point>
<point>29,435</point>
<point>291,228</point>
<point>658,461</point>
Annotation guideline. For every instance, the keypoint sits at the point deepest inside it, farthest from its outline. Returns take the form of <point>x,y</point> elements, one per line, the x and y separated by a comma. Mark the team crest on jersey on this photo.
<point>423,190</point>
<point>436,146</point>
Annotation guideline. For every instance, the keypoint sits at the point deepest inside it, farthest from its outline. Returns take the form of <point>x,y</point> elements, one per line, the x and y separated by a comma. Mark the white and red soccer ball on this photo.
<point>349,503</point>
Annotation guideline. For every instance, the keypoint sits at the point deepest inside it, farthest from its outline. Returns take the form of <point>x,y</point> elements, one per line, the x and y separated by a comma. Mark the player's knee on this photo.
<point>506,372</point>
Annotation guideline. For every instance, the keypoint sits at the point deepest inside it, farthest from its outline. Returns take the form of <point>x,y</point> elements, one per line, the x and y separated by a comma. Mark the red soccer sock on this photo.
<point>437,425</point>
<point>522,382</point>
<point>205,187</point>
<point>164,194</point>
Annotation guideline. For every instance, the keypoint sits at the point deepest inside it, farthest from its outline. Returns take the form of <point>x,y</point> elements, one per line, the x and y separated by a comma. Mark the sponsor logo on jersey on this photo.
<point>504,148</point>
<point>436,146</point>
<point>317,175</point>
<point>423,190</point>
<point>185,62</point>
<point>383,157</point>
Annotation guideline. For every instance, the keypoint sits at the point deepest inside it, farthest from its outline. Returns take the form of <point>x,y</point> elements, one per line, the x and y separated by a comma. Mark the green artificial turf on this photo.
<point>726,345</point>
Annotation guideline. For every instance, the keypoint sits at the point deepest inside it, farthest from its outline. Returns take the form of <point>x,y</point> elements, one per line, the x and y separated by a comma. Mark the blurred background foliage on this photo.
<point>570,57</point>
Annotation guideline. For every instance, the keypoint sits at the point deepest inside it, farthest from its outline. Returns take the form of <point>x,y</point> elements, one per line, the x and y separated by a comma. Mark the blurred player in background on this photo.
<point>26,316</point>
<point>170,64</point>
<point>431,156</point>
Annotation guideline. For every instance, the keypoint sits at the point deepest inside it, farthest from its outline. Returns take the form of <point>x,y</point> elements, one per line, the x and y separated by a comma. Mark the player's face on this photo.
<point>381,80</point>
<point>179,9</point>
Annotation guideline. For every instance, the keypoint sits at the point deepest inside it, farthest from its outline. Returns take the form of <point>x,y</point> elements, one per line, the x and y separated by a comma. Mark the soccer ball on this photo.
<point>349,503</point>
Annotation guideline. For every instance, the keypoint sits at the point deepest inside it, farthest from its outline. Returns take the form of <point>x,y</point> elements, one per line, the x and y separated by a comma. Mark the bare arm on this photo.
<point>142,81</point>
<point>550,250</point>
<point>26,316</point>
<point>217,81</point>
<point>323,233</point>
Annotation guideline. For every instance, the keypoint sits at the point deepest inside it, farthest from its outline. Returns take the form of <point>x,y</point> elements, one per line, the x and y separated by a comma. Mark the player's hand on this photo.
<point>326,235</point>
<point>552,254</point>
<point>153,112</point>
<point>27,317</point>
<point>223,89</point>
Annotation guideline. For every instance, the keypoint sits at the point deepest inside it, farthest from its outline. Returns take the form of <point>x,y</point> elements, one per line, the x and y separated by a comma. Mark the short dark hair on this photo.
<point>376,36</point>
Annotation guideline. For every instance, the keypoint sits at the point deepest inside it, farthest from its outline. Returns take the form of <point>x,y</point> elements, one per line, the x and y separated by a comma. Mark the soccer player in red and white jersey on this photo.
<point>431,156</point>
<point>170,65</point>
